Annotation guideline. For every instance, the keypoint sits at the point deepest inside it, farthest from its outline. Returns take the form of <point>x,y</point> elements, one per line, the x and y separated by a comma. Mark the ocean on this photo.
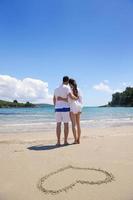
<point>41,119</point>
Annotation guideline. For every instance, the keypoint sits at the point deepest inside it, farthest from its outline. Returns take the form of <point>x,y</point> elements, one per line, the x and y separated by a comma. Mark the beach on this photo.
<point>31,167</point>
<point>66,62</point>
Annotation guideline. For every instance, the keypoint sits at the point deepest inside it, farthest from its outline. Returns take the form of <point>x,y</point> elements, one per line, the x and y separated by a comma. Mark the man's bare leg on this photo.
<point>58,132</point>
<point>66,130</point>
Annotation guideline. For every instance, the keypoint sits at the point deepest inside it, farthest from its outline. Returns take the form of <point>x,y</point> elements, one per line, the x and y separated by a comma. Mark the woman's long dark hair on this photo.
<point>74,87</point>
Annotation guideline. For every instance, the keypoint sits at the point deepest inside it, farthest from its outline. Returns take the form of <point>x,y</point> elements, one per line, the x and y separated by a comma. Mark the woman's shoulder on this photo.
<point>79,90</point>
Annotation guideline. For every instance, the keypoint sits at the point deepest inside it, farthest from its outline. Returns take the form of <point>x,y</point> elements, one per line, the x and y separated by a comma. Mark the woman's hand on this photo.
<point>62,99</point>
<point>59,98</point>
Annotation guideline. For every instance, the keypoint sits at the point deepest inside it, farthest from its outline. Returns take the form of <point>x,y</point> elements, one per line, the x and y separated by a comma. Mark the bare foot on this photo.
<point>66,143</point>
<point>75,142</point>
<point>78,141</point>
<point>58,144</point>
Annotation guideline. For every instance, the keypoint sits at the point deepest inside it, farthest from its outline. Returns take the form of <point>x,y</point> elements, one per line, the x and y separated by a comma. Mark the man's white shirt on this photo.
<point>62,91</point>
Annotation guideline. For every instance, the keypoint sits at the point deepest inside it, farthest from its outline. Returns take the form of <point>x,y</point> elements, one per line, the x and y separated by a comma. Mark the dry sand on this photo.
<point>100,168</point>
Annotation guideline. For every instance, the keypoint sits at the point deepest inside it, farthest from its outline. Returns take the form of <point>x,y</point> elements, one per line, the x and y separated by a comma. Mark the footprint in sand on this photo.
<point>72,176</point>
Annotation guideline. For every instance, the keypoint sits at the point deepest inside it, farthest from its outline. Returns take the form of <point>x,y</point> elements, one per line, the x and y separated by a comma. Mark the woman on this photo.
<point>75,110</point>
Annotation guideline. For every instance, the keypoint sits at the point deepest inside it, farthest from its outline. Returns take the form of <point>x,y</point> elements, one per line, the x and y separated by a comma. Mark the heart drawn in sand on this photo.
<point>42,182</point>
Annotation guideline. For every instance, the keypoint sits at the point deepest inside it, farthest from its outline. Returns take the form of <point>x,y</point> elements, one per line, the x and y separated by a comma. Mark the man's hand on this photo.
<point>62,99</point>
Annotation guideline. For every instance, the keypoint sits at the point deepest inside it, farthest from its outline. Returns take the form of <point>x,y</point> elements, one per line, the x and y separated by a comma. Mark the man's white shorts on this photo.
<point>62,117</point>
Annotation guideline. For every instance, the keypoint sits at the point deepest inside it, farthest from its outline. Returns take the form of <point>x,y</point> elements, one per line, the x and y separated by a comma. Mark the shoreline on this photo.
<point>51,126</point>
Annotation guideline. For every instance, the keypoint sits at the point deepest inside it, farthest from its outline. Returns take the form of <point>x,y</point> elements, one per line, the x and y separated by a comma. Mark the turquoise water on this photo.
<point>41,119</point>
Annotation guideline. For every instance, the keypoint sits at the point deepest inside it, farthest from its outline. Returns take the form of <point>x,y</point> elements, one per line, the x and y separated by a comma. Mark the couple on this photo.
<point>68,105</point>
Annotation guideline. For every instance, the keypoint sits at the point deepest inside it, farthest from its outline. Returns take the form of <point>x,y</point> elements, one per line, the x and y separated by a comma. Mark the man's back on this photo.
<point>62,91</point>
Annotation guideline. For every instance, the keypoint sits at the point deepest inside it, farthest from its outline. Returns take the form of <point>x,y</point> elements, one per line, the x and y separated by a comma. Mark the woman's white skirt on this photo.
<point>75,107</point>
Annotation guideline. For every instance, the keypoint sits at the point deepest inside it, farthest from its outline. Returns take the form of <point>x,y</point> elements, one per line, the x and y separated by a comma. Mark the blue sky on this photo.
<point>89,40</point>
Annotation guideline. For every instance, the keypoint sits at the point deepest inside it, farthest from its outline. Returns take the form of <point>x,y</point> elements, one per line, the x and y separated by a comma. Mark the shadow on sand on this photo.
<point>47,147</point>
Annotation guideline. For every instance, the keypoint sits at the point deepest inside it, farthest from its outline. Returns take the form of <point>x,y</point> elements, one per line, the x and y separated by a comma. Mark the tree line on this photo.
<point>124,99</point>
<point>15,104</point>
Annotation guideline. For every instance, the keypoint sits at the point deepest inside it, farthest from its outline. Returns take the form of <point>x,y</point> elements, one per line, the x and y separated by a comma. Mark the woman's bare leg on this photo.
<point>73,120</point>
<point>78,127</point>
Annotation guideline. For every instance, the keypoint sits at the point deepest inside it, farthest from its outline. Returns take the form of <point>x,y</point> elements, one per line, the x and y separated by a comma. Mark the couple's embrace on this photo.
<point>68,105</point>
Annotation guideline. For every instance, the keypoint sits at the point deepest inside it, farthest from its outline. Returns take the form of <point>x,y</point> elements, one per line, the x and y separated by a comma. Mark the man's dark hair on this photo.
<point>65,79</point>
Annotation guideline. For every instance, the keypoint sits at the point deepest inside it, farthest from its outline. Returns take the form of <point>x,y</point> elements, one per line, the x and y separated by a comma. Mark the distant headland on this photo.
<point>122,99</point>
<point>16,104</point>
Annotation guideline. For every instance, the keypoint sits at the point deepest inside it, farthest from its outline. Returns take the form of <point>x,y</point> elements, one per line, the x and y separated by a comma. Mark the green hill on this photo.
<point>15,104</point>
<point>42,105</point>
<point>123,99</point>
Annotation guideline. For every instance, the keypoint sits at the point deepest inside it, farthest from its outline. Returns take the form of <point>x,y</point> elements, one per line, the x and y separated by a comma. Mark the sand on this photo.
<point>101,167</point>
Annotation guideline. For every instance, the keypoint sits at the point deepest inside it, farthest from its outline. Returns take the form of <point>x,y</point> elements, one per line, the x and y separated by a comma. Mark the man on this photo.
<point>62,109</point>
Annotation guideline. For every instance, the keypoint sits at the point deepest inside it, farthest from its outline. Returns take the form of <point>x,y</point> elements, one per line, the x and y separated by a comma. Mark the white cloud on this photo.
<point>28,89</point>
<point>106,81</point>
<point>118,90</point>
<point>124,84</point>
<point>127,84</point>
<point>104,87</point>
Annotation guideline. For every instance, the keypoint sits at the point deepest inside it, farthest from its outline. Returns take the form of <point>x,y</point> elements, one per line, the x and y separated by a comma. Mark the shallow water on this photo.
<point>42,119</point>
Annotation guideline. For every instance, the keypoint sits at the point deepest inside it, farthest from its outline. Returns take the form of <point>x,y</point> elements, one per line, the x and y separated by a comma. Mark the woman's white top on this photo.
<point>75,105</point>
